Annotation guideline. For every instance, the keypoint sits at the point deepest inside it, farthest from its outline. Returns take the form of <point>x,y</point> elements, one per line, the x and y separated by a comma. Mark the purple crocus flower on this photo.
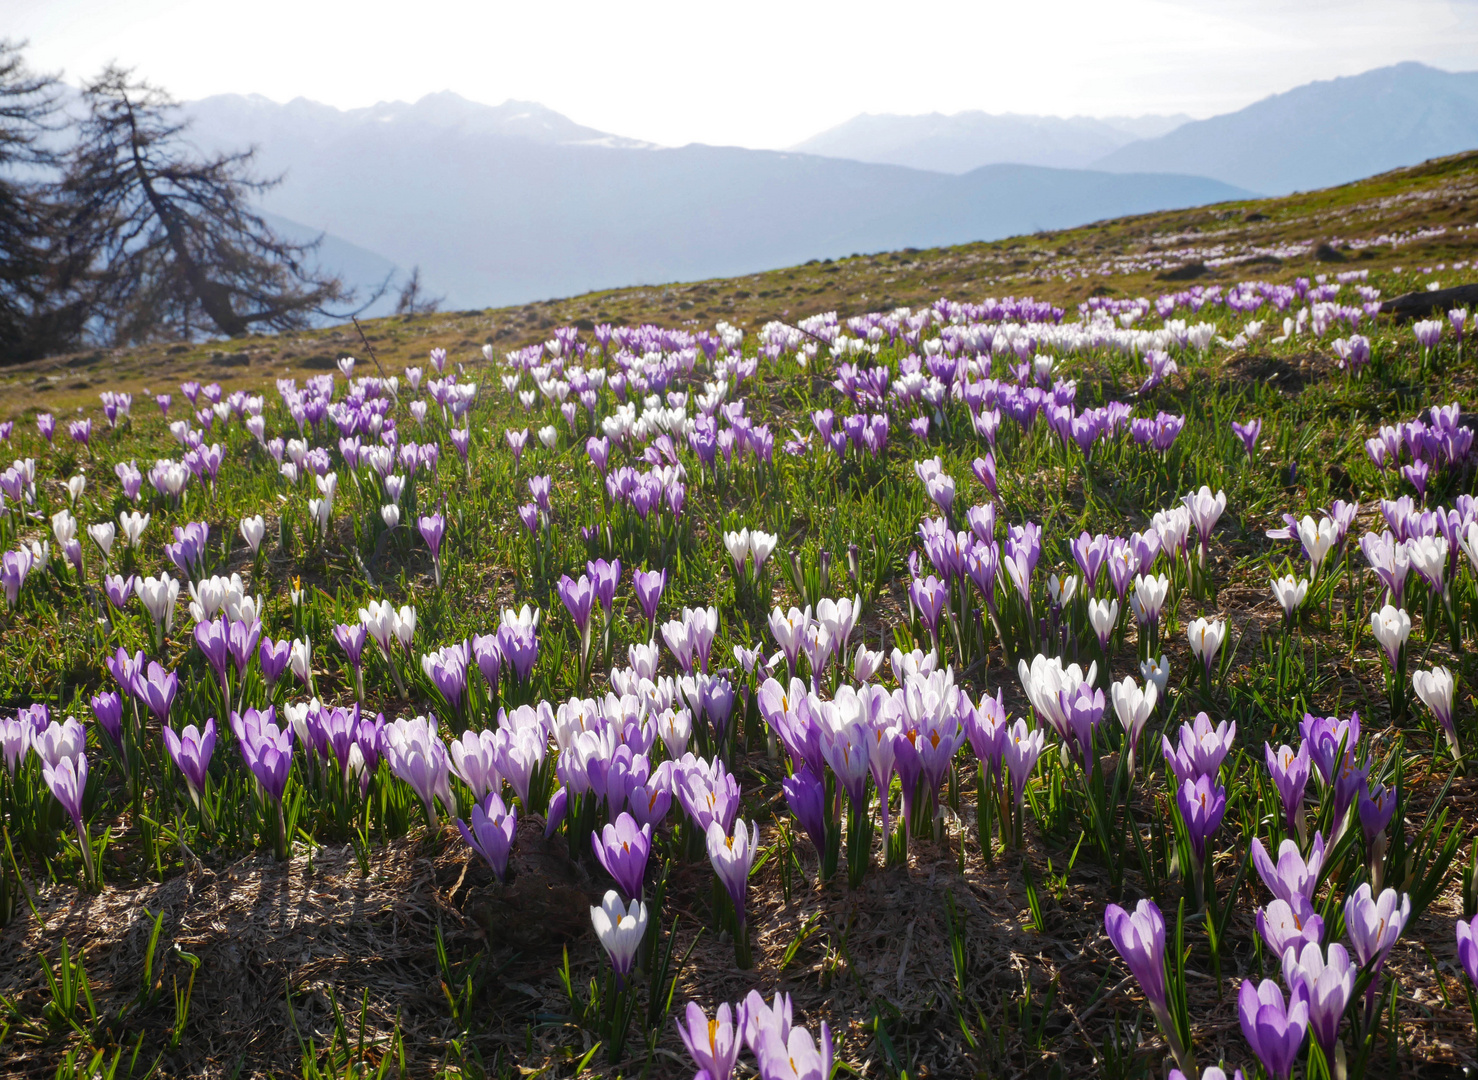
<point>1282,925</point>
<point>418,756</point>
<point>157,689</point>
<point>492,832</point>
<point>108,708</point>
<point>579,599</point>
<point>46,425</point>
<point>15,741</point>
<point>676,493</point>
<point>1273,1029</point>
<point>708,794</point>
<point>599,451</point>
<point>732,857</point>
<point>127,671</point>
<point>334,731</point>
<point>605,576</point>
<point>1329,982</point>
<point>517,440</point>
<point>461,442</point>
<point>119,589</point>
<point>1203,803</point>
<point>241,642</point>
<point>702,626</point>
<point>131,478</point>
<point>1417,474</point>
<point>1140,940</point>
<point>266,749</point>
<point>1248,433</point>
<point>447,670</point>
<point>1377,807</point>
<point>930,597</point>
<point>714,1044</point>
<point>806,798</point>
<point>474,761</point>
<point>1024,548</point>
<point>520,648</point>
<point>432,529</point>
<point>985,471</point>
<point>1201,750</point>
<point>66,776</point>
<point>67,779</point>
<point>650,800</point>
<point>489,659</point>
<point>190,750</point>
<point>846,751</point>
<point>273,656</point>
<point>1349,781</point>
<point>14,566</point>
<point>1023,748</point>
<point>1467,949</point>
<point>213,639</point>
<point>1375,924</point>
<point>649,585</point>
<point>1293,878</point>
<point>1290,773</point>
<point>1089,552</point>
<point>780,1050</point>
<point>622,849</point>
<point>711,697</point>
<point>1082,707</point>
<point>539,488</point>
<point>1323,736</point>
<point>352,640</point>
<point>986,726</point>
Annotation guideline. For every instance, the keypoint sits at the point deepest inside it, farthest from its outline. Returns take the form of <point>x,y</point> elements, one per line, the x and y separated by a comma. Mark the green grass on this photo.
<point>1016,980</point>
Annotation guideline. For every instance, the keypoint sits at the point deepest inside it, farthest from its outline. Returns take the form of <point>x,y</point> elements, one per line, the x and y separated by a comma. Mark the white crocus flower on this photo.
<point>63,527</point>
<point>737,545</point>
<point>1206,636</point>
<point>761,544</point>
<point>1133,707</point>
<point>620,930</point>
<point>159,596</point>
<point>1156,672</point>
<point>103,535</point>
<point>1290,592</point>
<point>133,524</point>
<point>1392,626</point>
<point>252,531</point>
<point>1317,538</point>
<point>1103,616</point>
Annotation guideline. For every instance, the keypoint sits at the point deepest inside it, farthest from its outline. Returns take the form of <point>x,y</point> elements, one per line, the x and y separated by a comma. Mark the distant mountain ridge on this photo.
<point>443,111</point>
<point>1322,133</point>
<point>968,140</point>
<point>511,203</point>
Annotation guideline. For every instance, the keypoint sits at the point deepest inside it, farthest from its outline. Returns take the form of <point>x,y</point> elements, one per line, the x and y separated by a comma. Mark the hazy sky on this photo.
<point>766,73</point>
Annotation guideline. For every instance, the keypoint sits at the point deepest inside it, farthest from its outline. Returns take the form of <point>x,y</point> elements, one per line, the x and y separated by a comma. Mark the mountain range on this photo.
<point>506,205</point>
<point>968,140</point>
<point>509,203</point>
<point>1321,133</point>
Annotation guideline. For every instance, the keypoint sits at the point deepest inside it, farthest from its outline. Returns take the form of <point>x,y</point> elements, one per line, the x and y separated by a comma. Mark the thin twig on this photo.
<point>367,345</point>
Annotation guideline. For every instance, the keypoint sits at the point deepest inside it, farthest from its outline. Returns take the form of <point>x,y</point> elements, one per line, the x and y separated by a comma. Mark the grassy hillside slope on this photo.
<point>1400,223</point>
